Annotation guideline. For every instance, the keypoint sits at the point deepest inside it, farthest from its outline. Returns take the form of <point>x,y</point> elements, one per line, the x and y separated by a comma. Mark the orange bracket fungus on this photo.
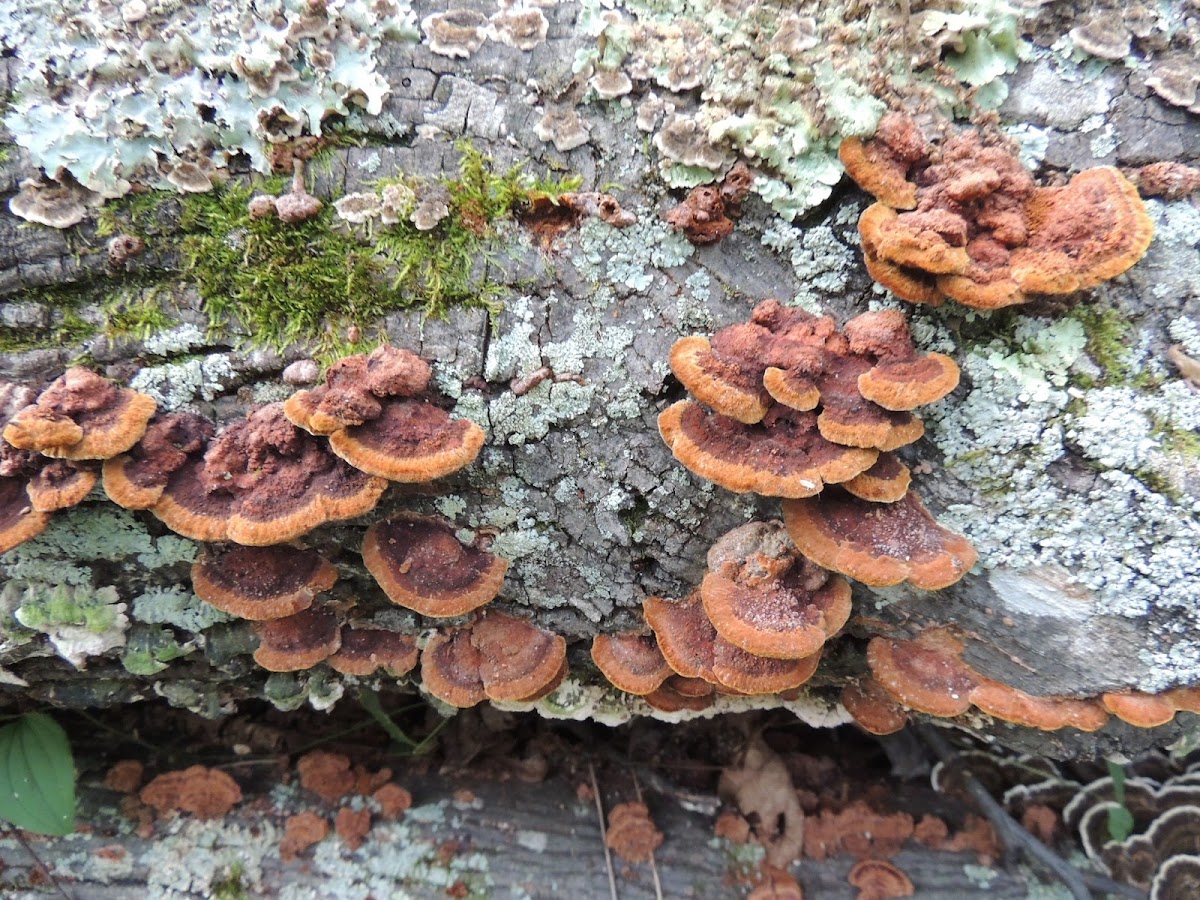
<point>797,404</point>
<point>421,565</point>
<point>693,648</point>
<point>878,544</point>
<point>136,479</point>
<point>365,650</point>
<point>632,662</point>
<point>264,481</point>
<point>764,597</point>
<point>370,409</point>
<point>969,223</point>
<point>19,521</point>
<point>496,657</point>
<point>81,416</point>
<point>929,675</point>
<point>260,583</point>
<point>299,641</point>
<point>872,707</point>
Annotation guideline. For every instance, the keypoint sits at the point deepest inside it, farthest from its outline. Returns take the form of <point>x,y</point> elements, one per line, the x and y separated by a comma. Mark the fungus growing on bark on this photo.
<point>693,648</point>
<point>264,481</point>
<point>205,793</point>
<point>878,879</point>
<point>298,641</point>
<point>883,165</point>
<point>259,583</point>
<point>701,216</point>
<point>297,205</point>
<point>865,378</point>
<point>1179,876</point>
<point>762,596</point>
<point>365,650</point>
<point>497,657</point>
<point>520,28</point>
<point>136,479</point>
<point>563,127</point>
<point>1103,36</point>
<point>421,565</point>
<point>677,694</point>
<point>872,707</point>
<point>885,482</point>
<point>631,661</point>
<point>19,521</point>
<point>1169,180</point>
<point>1151,710</point>
<point>929,675</point>
<point>784,455</point>
<point>631,832</point>
<point>457,32</point>
<point>59,484</point>
<point>878,544</point>
<point>979,230</point>
<point>410,441</point>
<point>51,203</point>
<point>81,416</point>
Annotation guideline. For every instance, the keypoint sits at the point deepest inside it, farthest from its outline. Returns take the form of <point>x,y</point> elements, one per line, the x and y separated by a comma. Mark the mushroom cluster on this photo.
<point>965,220</point>
<point>52,443</point>
<point>756,625</point>
<point>794,405</point>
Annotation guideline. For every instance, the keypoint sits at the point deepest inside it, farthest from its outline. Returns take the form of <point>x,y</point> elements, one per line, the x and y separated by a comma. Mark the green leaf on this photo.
<point>37,776</point>
<point>1120,822</point>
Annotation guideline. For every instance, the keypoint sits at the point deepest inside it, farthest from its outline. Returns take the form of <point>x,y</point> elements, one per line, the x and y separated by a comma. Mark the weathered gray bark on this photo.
<point>586,500</point>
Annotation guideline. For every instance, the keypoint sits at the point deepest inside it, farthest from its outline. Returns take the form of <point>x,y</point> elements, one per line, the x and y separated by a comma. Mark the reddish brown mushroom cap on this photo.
<point>1139,709</point>
<point>1047,713</point>
<point>450,668</point>
<point>878,879</point>
<point>684,633</point>
<point>19,521</point>
<point>137,479</point>
<point>901,378</point>
<point>731,382</point>
<point>60,484</point>
<point>632,662</point>
<point>762,596</point>
<point>81,416</point>
<point>882,166</point>
<point>518,661</point>
<point>421,565</point>
<point>872,707</point>
<point>410,441</point>
<point>791,389</point>
<point>783,456</point>
<point>677,693</point>
<point>747,673</point>
<point>365,650</point>
<point>878,544</point>
<point>187,507</point>
<point>885,482</point>
<point>299,641</point>
<point>260,583</point>
<point>926,674</point>
<point>849,419</point>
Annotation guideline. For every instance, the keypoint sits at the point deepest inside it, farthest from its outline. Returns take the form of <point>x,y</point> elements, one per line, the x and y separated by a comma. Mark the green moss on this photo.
<point>1181,441</point>
<point>1107,332</point>
<point>67,328</point>
<point>309,282</point>
<point>231,886</point>
<point>138,314</point>
<point>142,214</point>
<point>149,650</point>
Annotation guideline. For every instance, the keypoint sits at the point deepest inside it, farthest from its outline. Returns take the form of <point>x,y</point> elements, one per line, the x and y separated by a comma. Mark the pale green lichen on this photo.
<point>149,651</point>
<point>176,385</point>
<point>80,622</point>
<point>822,263</point>
<point>176,606</point>
<point>116,96</point>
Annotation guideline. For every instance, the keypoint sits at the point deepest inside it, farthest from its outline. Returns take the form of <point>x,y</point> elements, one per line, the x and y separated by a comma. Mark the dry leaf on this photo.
<point>761,788</point>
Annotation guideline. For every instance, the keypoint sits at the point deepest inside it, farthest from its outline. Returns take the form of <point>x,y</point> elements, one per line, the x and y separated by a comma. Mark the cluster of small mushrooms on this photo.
<point>253,488</point>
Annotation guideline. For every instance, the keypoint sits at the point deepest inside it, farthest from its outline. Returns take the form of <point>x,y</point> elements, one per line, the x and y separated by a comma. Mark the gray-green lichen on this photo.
<point>164,93</point>
<point>79,621</point>
<point>782,83</point>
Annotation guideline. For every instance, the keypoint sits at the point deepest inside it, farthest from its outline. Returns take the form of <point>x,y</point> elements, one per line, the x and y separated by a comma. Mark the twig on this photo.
<point>41,865</point>
<point>658,894</point>
<point>1007,828</point>
<point>612,876</point>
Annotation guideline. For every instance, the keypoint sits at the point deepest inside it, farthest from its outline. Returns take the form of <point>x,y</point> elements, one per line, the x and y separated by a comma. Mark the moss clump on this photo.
<point>67,326</point>
<point>1107,331</point>
<point>138,314</point>
<point>314,280</point>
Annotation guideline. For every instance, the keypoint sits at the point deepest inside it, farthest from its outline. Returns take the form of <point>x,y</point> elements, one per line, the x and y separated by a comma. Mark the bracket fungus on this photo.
<point>693,648</point>
<point>258,583</point>
<point>299,641</point>
<point>495,657</point>
<point>798,403</point>
<point>1151,710</point>
<point>19,521</point>
<point>878,544</point>
<point>264,481</point>
<point>631,661</point>
<point>422,566</point>
<point>967,222</point>
<point>363,651</point>
<point>81,416</point>
<point>136,479</point>
<point>764,597</point>
<point>371,412</point>
<point>928,674</point>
